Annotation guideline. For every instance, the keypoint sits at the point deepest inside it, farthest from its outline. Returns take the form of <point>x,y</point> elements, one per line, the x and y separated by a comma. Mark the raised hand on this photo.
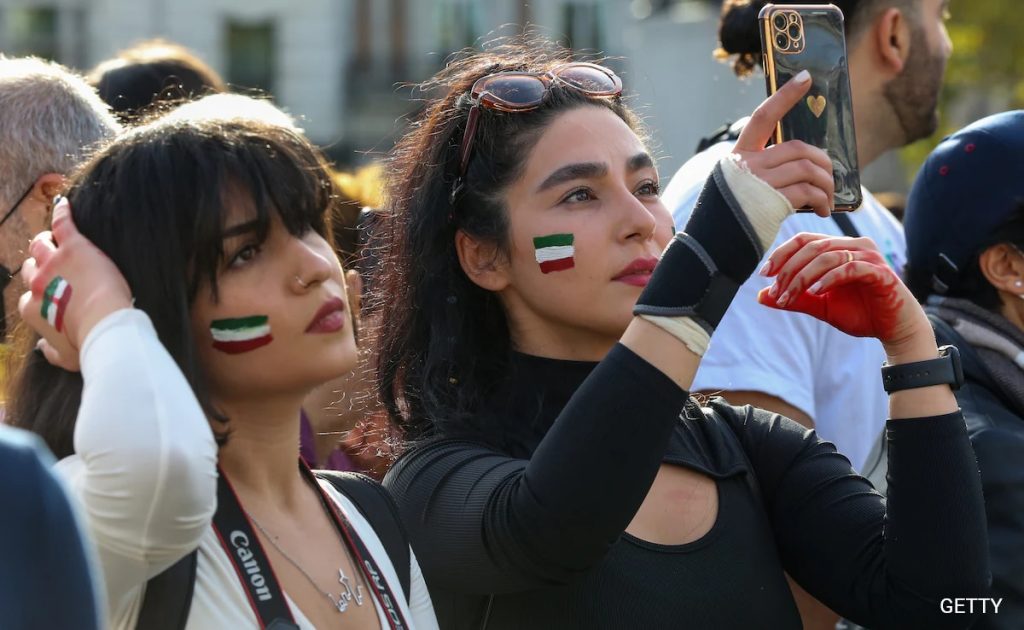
<point>72,286</point>
<point>801,172</point>
<point>847,283</point>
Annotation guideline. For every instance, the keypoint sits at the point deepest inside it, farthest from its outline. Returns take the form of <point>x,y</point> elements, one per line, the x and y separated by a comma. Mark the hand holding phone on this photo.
<point>800,172</point>
<point>810,37</point>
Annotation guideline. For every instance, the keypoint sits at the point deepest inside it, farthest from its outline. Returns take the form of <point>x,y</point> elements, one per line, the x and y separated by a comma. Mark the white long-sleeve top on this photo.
<point>145,474</point>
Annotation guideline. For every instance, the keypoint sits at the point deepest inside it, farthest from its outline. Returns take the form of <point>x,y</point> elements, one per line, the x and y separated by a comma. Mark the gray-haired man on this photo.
<point>49,120</point>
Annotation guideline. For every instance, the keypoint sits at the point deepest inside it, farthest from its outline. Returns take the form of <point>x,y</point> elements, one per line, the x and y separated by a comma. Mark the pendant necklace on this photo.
<point>341,602</point>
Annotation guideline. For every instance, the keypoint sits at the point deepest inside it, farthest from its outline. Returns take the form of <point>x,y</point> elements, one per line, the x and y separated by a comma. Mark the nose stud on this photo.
<point>304,285</point>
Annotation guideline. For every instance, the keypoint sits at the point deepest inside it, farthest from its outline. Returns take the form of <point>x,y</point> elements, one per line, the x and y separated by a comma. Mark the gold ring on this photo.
<point>849,256</point>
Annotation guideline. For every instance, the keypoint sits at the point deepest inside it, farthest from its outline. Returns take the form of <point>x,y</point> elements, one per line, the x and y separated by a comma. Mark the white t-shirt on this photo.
<point>145,475</point>
<point>832,377</point>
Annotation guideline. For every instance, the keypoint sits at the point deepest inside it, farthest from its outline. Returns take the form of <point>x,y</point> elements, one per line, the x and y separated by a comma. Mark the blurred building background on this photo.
<point>344,67</point>
<point>340,64</point>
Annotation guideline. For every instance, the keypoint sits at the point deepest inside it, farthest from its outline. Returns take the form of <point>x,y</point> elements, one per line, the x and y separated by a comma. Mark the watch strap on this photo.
<point>943,370</point>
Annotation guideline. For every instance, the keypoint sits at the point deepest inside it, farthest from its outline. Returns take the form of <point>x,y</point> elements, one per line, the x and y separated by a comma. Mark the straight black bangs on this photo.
<point>170,188</point>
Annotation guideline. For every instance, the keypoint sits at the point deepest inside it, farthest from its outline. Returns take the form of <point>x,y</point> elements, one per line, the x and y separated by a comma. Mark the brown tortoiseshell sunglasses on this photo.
<point>526,91</point>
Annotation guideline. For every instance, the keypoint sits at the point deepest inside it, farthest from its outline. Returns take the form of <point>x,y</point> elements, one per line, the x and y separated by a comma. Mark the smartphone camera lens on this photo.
<point>781,22</point>
<point>794,31</point>
<point>782,41</point>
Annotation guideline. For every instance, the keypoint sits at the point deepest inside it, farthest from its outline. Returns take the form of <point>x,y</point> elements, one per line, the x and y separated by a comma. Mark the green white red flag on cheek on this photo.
<point>241,334</point>
<point>554,252</point>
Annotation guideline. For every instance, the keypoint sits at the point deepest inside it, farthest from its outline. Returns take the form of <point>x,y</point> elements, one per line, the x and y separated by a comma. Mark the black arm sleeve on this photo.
<point>482,522</point>
<point>882,568</point>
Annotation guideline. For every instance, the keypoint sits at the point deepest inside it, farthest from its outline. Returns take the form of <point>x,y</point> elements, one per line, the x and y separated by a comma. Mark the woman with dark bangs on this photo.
<point>194,283</point>
<point>537,346</point>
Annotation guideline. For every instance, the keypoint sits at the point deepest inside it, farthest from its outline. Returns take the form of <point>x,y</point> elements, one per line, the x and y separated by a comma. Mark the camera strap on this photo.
<point>235,533</point>
<point>236,536</point>
<point>382,591</point>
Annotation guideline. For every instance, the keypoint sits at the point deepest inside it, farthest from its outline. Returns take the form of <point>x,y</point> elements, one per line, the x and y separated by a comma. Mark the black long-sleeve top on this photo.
<point>531,533</point>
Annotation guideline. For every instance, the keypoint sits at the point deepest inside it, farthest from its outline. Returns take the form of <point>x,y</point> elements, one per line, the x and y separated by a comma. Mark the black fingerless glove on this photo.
<point>705,264</point>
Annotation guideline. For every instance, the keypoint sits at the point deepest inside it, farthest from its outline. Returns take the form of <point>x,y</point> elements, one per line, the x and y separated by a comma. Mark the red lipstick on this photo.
<point>330,318</point>
<point>638,272</point>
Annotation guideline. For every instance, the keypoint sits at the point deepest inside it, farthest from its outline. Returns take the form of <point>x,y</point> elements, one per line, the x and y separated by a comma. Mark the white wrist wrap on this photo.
<point>765,207</point>
<point>684,329</point>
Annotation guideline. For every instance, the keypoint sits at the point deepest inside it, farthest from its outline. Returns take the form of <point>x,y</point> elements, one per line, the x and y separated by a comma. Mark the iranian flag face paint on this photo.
<point>243,334</point>
<point>55,302</point>
<point>554,252</point>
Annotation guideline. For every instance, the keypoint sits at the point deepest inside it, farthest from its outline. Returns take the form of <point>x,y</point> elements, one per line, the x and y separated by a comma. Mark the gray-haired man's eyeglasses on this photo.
<point>17,204</point>
<point>7,275</point>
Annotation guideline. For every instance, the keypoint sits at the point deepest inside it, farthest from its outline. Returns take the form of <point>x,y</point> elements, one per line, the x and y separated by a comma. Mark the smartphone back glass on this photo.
<point>810,37</point>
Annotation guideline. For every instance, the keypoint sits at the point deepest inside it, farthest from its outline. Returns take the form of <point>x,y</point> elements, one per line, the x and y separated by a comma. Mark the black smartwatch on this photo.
<point>945,370</point>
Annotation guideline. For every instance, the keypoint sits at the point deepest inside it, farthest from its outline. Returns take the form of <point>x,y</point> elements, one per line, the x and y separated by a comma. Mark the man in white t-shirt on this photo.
<point>791,363</point>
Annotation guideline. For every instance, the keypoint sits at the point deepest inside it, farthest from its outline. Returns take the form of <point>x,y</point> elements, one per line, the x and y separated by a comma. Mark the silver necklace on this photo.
<point>343,599</point>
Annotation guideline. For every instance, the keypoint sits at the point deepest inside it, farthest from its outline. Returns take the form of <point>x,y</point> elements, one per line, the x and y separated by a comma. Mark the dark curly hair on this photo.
<point>444,342</point>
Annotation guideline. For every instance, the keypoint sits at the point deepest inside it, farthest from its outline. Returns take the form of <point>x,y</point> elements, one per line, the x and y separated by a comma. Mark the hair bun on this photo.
<point>738,34</point>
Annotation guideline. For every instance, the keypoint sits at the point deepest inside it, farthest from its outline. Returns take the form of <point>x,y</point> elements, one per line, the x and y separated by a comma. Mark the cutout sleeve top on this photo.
<point>526,530</point>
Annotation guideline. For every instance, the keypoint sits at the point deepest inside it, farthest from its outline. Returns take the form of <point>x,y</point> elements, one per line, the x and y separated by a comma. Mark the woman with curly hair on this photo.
<point>541,324</point>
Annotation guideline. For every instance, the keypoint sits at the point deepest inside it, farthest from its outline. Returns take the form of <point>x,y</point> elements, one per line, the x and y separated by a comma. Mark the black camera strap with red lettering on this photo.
<point>385,595</point>
<point>236,536</point>
<point>240,542</point>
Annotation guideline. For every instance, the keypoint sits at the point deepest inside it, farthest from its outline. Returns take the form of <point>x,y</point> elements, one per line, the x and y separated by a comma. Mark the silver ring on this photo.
<point>301,283</point>
<point>849,256</point>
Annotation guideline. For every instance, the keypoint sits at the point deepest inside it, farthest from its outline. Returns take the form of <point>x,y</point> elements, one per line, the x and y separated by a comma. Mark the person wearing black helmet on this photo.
<point>965,235</point>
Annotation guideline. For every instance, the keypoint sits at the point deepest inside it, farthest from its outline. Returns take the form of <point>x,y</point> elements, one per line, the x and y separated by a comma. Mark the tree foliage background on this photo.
<point>986,72</point>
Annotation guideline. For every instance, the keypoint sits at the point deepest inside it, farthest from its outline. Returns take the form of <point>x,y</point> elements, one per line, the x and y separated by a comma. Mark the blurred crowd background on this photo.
<point>346,68</point>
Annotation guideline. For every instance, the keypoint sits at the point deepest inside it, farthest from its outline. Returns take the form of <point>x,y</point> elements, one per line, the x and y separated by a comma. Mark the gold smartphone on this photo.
<point>797,37</point>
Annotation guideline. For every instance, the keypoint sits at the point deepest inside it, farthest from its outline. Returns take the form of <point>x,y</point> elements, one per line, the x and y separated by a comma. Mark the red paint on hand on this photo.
<point>864,302</point>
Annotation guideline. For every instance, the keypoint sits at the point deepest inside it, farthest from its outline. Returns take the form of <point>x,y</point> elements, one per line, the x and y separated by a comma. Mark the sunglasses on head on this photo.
<point>512,92</point>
